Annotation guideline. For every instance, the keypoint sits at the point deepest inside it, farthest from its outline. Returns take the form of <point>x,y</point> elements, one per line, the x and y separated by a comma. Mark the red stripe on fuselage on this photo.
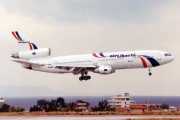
<point>94,54</point>
<point>143,62</point>
<point>15,36</point>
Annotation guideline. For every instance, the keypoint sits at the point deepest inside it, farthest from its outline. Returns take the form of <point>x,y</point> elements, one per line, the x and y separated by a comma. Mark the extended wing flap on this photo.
<point>75,68</point>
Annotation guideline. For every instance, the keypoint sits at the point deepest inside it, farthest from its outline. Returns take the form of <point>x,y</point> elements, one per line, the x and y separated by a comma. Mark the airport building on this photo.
<point>81,105</point>
<point>137,107</point>
<point>150,106</point>
<point>2,101</point>
<point>119,101</point>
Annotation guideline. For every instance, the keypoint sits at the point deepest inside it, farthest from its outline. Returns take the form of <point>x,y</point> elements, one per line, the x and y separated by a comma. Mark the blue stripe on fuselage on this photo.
<point>152,61</point>
<point>101,54</point>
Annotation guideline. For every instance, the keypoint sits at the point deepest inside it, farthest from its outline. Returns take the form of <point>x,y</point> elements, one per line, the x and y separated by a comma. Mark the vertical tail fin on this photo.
<point>24,43</point>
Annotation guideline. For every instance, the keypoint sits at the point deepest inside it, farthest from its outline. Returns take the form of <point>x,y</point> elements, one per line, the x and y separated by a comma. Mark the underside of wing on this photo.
<point>76,68</point>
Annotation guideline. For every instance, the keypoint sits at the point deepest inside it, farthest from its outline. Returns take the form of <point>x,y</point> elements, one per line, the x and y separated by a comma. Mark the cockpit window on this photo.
<point>167,54</point>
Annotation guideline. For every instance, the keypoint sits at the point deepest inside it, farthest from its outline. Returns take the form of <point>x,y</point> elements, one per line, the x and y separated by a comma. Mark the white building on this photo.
<point>2,101</point>
<point>119,101</point>
<point>172,108</point>
<point>81,106</point>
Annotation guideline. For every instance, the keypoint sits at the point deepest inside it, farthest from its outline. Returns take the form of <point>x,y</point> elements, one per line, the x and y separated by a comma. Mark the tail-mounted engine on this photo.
<point>104,70</point>
<point>42,52</point>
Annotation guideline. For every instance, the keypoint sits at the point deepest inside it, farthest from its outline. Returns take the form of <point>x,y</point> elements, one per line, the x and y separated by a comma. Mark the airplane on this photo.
<point>33,58</point>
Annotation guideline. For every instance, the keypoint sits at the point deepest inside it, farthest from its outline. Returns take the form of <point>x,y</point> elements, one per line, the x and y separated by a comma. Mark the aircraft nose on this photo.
<point>172,58</point>
<point>169,58</point>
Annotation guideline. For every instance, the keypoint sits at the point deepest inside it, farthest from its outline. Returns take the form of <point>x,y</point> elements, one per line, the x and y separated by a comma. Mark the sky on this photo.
<point>72,27</point>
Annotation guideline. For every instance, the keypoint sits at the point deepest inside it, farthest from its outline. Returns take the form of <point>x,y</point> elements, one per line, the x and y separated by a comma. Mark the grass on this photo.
<point>93,113</point>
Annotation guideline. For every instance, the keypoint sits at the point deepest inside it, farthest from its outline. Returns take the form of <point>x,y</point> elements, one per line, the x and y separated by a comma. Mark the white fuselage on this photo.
<point>116,60</point>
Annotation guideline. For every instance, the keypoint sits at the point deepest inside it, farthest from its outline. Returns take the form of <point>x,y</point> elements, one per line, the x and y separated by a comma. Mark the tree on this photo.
<point>60,102</point>
<point>164,106</point>
<point>13,109</point>
<point>42,104</point>
<point>52,106</point>
<point>35,108</point>
<point>95,108</point>
<point>5,108</point>
<point>70,106</point>
<point>102,106</point>
<point>18,109</point>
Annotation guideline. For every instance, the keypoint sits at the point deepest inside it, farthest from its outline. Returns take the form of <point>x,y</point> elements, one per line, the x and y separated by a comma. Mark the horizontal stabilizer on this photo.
<point>27,62</point>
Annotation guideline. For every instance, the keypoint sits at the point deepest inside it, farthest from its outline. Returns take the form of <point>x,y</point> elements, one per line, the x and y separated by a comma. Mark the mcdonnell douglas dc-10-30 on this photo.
<point>34,58</point>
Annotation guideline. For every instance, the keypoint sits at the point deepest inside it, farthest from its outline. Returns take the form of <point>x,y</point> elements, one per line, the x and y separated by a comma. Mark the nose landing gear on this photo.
<point>150,72</point>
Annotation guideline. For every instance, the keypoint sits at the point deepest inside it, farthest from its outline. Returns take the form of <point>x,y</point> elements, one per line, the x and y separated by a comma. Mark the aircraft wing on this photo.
<point>76,66</point>
<point>56,66</point>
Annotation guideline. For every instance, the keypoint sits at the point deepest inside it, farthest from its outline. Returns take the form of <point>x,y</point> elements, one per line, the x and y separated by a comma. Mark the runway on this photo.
<point>103,117</point>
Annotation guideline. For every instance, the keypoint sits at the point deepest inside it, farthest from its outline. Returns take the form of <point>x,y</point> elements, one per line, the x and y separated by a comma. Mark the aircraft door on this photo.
<point>158,56</point>
<point>50,64</point>
<point>130,59</point>
<point>130,62</point>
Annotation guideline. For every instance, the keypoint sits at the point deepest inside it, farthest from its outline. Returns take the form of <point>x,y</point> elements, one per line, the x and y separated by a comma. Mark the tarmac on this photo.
<point>103,117</point>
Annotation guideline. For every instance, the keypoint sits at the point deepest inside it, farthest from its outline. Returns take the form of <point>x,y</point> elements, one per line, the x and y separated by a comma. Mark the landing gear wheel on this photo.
<point>150,74</point>
<point>81,78</point>
<point>89,77</point>
<point>85,77</point>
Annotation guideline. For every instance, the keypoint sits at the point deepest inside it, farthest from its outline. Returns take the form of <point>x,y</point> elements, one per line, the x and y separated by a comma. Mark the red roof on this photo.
<point>137,106</point>
<point>120,109</point>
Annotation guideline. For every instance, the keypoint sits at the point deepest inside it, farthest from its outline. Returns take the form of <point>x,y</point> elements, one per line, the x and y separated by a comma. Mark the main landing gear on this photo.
<point>84,76</point>
<point>150,72</point>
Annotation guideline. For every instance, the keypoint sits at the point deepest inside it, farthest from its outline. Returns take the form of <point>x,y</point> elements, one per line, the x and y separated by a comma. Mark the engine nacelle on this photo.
<point>42,52</point>
<point>104,70</point>
<point>26,66</point>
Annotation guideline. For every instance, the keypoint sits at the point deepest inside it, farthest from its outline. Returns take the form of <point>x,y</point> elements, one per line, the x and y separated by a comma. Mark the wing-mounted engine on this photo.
<point>104,70</point>
<point>26,66</point>
<point>37,53</point>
